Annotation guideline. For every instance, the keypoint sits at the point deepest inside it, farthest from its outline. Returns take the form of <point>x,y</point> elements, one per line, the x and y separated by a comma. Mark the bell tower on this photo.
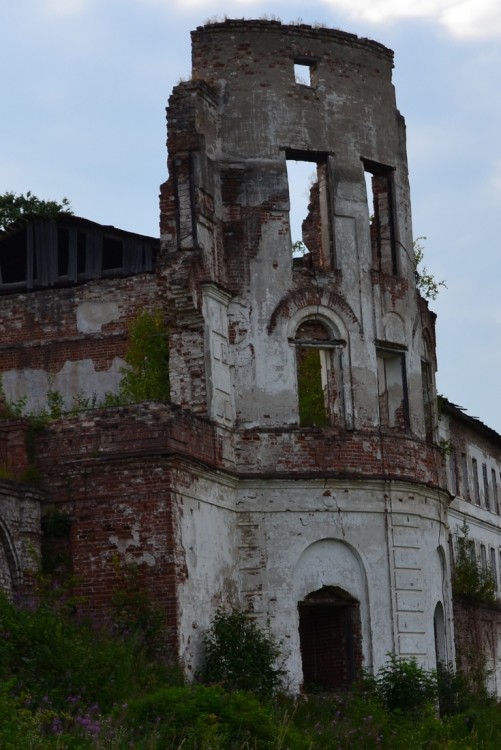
<point>298,334</point>
<point>276,310</point>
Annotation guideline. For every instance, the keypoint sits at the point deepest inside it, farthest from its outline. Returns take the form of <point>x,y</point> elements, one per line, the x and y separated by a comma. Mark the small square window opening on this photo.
<point>304,73</point>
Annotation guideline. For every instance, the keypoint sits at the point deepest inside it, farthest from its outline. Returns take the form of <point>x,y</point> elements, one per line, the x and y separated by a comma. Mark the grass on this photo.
<point>67,685</point>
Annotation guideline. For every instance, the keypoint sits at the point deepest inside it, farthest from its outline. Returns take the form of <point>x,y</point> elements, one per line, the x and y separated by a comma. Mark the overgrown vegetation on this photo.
<point>15,207</point>
<point>312,411</point>
<point>472,579</point>
<point>133,614</point>
<point>66,685</point>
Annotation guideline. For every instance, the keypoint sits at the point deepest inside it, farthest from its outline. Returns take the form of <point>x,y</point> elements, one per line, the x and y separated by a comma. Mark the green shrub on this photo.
<point>240,656</point>
<point>404,686</point>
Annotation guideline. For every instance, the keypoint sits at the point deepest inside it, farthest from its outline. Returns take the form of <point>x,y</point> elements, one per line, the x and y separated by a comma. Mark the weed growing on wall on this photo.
<point>241,656</point>
<point>426,282</point>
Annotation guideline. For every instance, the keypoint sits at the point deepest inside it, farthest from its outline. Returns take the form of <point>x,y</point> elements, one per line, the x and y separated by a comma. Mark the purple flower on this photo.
<point>56,727</point>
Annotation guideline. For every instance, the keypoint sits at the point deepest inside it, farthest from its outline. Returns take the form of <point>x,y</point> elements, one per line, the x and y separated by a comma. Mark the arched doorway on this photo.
<point>330,639</point>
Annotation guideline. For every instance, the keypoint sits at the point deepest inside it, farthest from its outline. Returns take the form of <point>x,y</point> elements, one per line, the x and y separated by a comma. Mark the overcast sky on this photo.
<point>84,89</point>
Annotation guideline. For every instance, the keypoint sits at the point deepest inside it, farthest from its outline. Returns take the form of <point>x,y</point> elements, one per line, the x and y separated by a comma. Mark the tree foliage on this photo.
<point>15,207</point>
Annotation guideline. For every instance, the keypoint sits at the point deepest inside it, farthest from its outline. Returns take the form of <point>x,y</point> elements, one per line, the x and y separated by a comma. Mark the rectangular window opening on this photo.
<point>494,571</point>
<point>494,491</point>
<point>453,473</point>
<point>483,557</point>
<point>487,499</point>
<point>309,212</point>
<point>13,258</point>
<point>63,251</point>
<point>81,252</point>
<point>464,472</point>
<point>474,466</point>
<point>305,72</point>
<point>381,211</point>
<point>112,254</point>
<point>392,390</point>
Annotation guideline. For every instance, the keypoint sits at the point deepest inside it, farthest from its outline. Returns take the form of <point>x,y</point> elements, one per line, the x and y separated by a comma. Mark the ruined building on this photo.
<point>302,467</point>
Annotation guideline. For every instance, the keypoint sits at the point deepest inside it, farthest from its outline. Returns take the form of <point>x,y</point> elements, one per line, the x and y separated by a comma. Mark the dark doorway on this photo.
<point>330,638</point>
<point>439,631</point>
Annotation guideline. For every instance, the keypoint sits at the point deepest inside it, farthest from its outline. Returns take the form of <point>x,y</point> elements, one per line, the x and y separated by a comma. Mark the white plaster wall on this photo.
<point>269,544</point>
<point>76,378</point>
<point>380,546</point>
<point>207,560</point>
<point>92,316</point>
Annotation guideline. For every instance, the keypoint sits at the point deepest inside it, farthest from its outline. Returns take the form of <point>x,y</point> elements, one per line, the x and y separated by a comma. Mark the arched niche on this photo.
<point>330,587</point>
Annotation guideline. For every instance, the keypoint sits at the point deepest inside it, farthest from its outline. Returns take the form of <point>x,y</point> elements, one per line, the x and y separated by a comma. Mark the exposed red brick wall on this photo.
<point>13,447</point>
<point>114,484</point>
<point>327,452</point>
<point>38,330</point>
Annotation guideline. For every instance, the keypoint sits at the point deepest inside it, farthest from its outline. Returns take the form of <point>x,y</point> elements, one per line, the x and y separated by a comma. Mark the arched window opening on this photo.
<point>440,640</point>
<point>330,639</point>
<point>319,375</point>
